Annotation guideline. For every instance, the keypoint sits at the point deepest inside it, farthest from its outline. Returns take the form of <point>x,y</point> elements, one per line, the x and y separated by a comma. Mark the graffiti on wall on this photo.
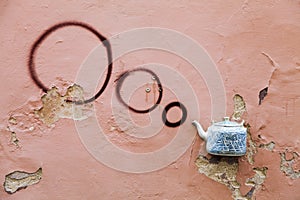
<point>106,43</point>
<point>186,100</point>
<point>39,41</point>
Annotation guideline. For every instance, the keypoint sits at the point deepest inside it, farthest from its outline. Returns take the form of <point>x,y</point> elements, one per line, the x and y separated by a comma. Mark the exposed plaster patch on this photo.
<point>259,177</point>
<point>251,147</point>
<point>224,170</point>
<point>38,117</point>
<point>14,140</point>
<point>12,120</point>
<point>24,120</point>
<point>269,146</point>
<point>239,107</point>
<point>289,164</point>
<point>19,179</point>
<point>55,106</point>
<point>257,181</point>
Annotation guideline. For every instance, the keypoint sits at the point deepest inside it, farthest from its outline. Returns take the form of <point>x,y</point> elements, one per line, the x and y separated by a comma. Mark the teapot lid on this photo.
<point>227,122</point>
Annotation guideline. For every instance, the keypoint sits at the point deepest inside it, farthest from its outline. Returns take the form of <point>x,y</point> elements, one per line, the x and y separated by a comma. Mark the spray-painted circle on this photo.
<point>124,76</point>
<point>38,42</point>
<point>168,107</point>
<point>92,134</point>
<point>155,125</point>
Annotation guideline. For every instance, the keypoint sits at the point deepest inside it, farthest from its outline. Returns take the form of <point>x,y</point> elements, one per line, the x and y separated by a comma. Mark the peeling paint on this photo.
<point>14,140</point>
<point>12,120</point>
<point>259,177</point>
<point>257,181</point>
<point>24,120</point>
<point>32,117</point>
<point>288,164</point>
<point>269,146</point>
<point>251,147</point>
<point>13,136</point>
<point>239,107</point>
<point>55,106</point>
<point>220,169</point>
<point>255,44</point>
<point>224,170</point>
<point>19,179</point>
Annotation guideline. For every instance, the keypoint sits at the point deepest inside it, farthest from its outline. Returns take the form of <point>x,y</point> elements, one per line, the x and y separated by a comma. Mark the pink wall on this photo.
<point>254,44</point>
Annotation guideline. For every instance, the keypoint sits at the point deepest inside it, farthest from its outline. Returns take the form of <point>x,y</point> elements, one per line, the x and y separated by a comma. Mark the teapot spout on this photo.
<point>200,130</point>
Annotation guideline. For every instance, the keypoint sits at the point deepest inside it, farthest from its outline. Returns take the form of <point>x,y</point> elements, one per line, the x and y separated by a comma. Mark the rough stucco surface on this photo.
<point>255,44</point>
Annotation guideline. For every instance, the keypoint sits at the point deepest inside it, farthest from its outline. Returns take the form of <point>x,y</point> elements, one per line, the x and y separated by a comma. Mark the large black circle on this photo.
<point>50,30</point>
<point>121,80</point>
<point>168,107</point>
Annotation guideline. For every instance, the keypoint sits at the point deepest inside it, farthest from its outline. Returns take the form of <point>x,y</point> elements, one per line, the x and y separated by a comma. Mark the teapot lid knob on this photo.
<point>226,118</point>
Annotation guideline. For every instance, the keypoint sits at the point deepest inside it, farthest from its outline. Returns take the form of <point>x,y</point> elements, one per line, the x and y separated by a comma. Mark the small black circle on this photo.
<point>168,107</point>
<point>125,75</point>
<point>50,30</point>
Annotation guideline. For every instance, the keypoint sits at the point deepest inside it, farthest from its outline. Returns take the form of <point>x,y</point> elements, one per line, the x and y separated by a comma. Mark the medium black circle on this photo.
<point>37,43</point>
<point>121,80</point>
<point>168,107</point>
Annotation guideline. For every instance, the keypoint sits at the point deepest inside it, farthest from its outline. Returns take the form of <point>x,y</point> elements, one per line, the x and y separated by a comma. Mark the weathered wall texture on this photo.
<point>254,44</point>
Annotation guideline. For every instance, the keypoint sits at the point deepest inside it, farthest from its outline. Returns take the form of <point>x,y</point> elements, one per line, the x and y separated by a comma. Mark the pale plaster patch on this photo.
<point>14,140</point>
<point>289,165</point>
<point>259,177</point>
<point>224,170</point>
<point>239,107</point>
<point>37,116</point>
<point>220,169</point>
<point>24,120</point>
<point>269,146</point>
<point>55,106</point>
<point>251,147</point>
<point>20,179</point>
<point>12,120</point>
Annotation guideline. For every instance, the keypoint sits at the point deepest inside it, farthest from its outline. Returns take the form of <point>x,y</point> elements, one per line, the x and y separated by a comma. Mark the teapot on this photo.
<point>225,138</point>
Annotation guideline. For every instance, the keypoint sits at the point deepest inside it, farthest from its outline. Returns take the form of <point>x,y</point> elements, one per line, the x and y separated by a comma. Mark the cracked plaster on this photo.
<point>254,43</point>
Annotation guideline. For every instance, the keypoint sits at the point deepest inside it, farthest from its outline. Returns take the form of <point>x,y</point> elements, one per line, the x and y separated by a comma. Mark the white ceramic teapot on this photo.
<point>226,138</point>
